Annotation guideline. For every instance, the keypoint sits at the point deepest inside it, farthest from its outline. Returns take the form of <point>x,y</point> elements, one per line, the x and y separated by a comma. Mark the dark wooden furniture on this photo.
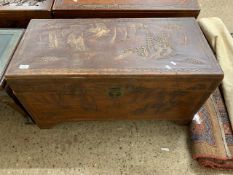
<point>9,39</point>
<point>103,69</point>
<point>18,13</point>
<point>125,8</point>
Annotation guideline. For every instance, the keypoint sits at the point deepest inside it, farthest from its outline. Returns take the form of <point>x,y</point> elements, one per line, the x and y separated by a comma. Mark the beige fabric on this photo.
<point>222,43</point>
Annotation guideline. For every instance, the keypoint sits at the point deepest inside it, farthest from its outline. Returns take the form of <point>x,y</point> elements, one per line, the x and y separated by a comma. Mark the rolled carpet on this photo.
<point>211,129</point>
<point>221,42</point>
<point>211,134</point>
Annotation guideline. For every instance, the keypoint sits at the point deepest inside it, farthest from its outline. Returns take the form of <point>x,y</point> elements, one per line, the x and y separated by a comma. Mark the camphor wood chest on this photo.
<point>9,39</point>
<point>18,13</point>
<point>125,8</point>
<point>103,69</point>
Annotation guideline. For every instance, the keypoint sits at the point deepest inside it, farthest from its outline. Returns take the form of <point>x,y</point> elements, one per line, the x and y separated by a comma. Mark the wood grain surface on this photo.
<point>125,8</point>
<point>114,46</point>
<point>101,69</point>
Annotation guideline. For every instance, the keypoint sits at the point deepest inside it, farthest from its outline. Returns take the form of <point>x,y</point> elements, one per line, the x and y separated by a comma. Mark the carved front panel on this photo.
<point>72,99</point>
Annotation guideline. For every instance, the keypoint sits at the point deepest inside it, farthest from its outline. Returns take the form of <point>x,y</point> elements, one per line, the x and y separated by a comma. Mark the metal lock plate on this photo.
<point>115,92</point>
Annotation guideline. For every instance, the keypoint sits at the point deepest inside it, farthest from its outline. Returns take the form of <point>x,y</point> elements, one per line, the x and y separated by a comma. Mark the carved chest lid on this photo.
<point>172,46</point>
<point>8,42</point>
<point>126,5</point>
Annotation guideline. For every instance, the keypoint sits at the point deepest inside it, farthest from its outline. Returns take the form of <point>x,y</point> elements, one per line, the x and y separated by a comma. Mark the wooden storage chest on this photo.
<point>103,69</point>
<point>125,8</point>
<point>9,40</point>
<point>18,13</point>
